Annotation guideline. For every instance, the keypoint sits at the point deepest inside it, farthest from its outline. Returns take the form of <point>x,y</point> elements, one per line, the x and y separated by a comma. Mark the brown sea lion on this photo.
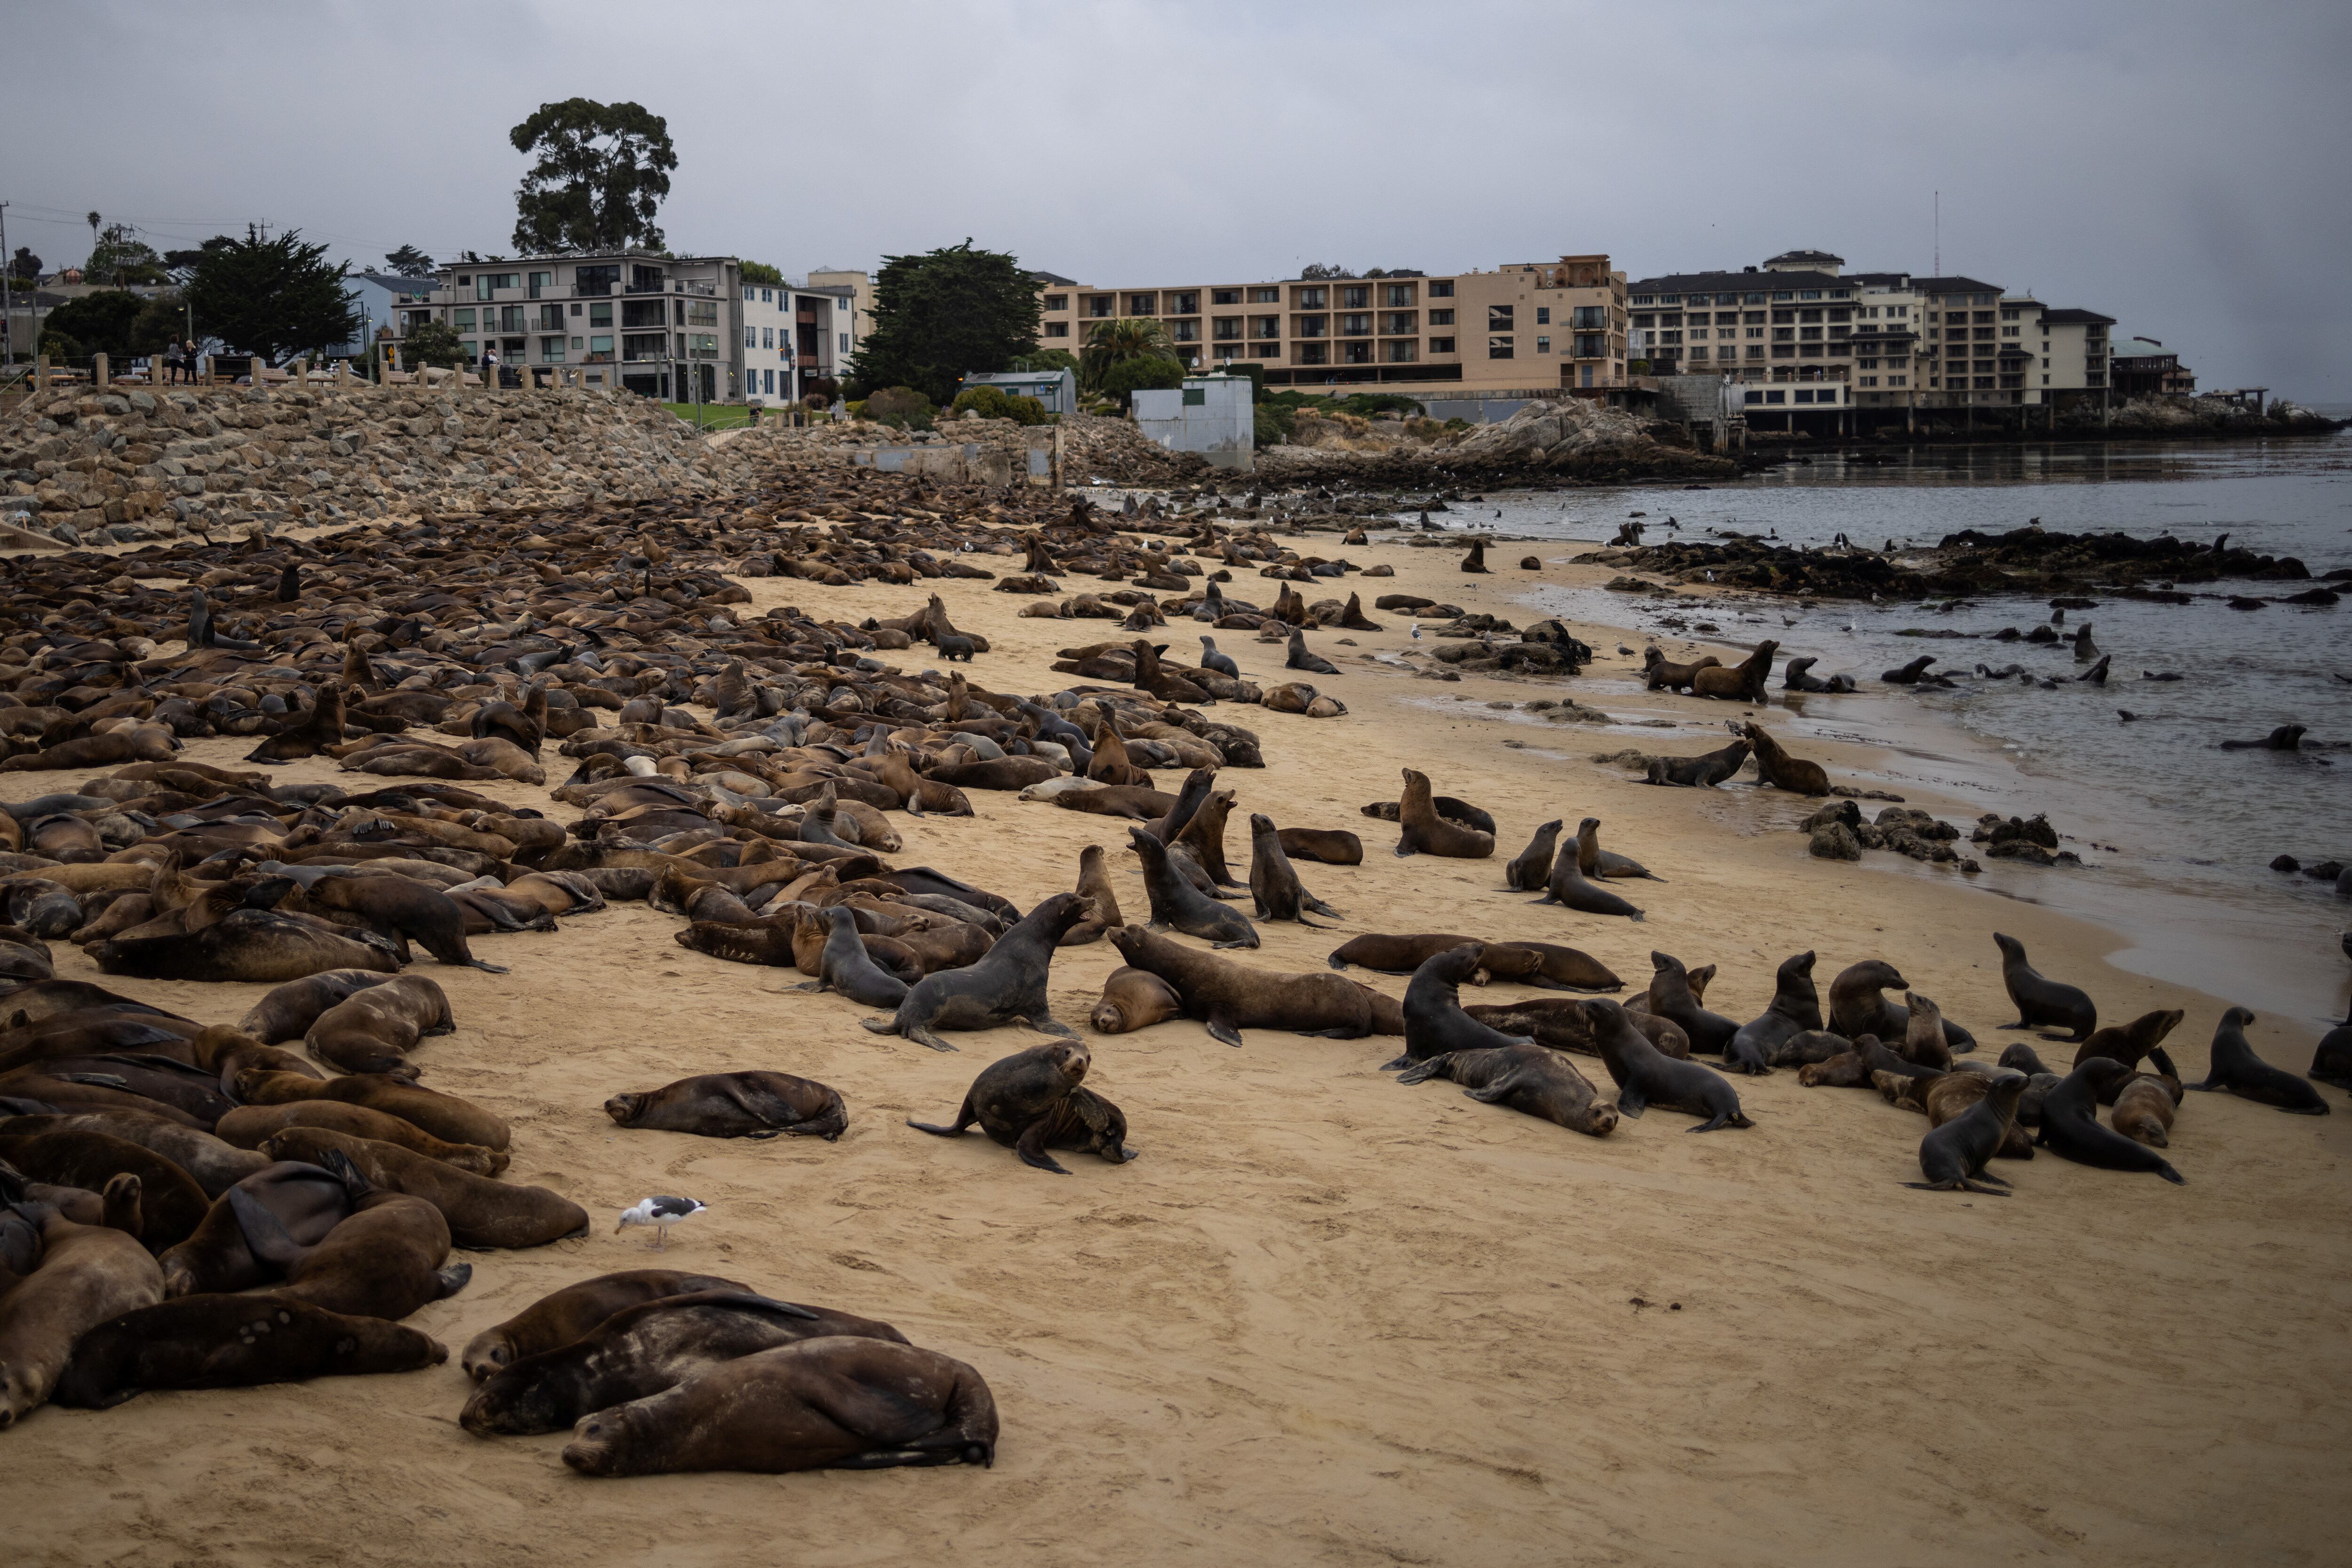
<point>67,1153</point>
<point>1010,1098</point>
<point>214,1166</point>
<point>2142,1039</point>
<point>1569,885</point>
<point>250,1126</point>
<point>1529,872</point>
<point>1229,997</point>
<point>2144,1109</point>
<point>1923,1034</point>
<point>233,1341</point>
<point>1560,1024</point>
<point>245,944</point>
<point>1527,1079</point>
<point>386,1261</point>
<point>1422,830</point>
<point>88,1276</point>
<point>445,1116</point>
<point>834,1403</point>
<point>750,1104</point>
<point>1742,682</point>
<point>258,1228</point>
<point>1647,1077</point>
<point>1776,767</point>
<point>1274,882</point>
<point>1858,1008</point>
<point>481,1212</point>
<point>398,907</point>
<point>1660,674</point>
<point>1331,845</point>
<point>1102,901</point>
<point>373,1029</point>
<point>1133,999</point>
<point>563,1316</point>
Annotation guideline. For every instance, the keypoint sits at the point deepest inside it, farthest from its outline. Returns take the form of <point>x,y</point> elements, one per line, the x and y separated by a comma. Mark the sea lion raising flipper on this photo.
<point>1953,1156</point>
<point>2041,1001</point>
<point>2236,1067</point>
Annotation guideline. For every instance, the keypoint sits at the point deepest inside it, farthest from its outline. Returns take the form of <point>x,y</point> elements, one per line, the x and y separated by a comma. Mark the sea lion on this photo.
<point>1010,1098</point>
<point>2039,1001</point>
<point>845,965</point>
<point>2023,1058</point>
<point>1947,1095</point>
<point>1229,997</point>
<point>1435,1022</point>
<point>1459,812</point>
<point>386,1261</point>
<point>481,1213</point>
<point>1527,1079</point>
<point>834,1403</point>
<point>563,1316</point>
<point>644,1349</point>
<point>1102,899</point>
<point>1177,904</point>
<point>2234,1066</point>
<point>2144,1109</point>
<point>1923,1034</point>
<point>258,1228</point>
<point>88,1276</point>
<point>445,1115</point>
<point>1704,771</point>
<point>1953,1155</point>
<point>1544,965</point>
<point>2141,1040</point>
<point>1592,860</point>
<point>1331,845</point>
<point>398,907</point>
<point>65,1152</point>
<point>1671,997</point>
<point>1797,676</point>
<point>1006,986</point>
<point>1529,872</point>
<point>1421,829</point>
<point>2070,1125</point>
<point>233,1341</point>
<point>1776,767</point>
<point>1645,1076</point>
<point>1560,1025</point>
<point>1274,883</point>
<point>1133,999</point>
<point>214,1165</point>
<point>1860,1066</point>
<point>245,944</point>
<point>1661,674</point>
<point>1741,682</point>
<point>373,1029</point>
<point>2332,1062</point>
<point>1806,1047</point>
<point>752,1104</point>
<point>250,1126</point>
<point>1796,1009</point>
<point>1857,1006</point>
<point>1567,885</point>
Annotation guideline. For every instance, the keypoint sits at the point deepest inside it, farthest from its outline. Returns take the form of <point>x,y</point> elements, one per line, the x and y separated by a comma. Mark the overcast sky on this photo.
<point>2181,167</point>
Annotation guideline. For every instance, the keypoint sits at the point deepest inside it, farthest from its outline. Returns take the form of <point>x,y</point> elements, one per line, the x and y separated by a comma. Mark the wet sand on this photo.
<point>1325,1318</point>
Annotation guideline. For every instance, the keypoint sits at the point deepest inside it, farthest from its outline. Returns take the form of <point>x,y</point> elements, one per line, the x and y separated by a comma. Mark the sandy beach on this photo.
<point>1325,1318</point>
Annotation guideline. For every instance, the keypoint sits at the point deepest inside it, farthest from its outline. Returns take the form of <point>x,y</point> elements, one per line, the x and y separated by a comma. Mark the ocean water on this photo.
<point>2176,834</point>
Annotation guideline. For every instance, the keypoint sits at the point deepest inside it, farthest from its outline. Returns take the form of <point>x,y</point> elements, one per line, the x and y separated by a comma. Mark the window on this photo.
<point>642,345</point>
<point>1441,289</point>
<point>1311,353</point>
<point>1225,296</point>
<point>1776,398</point>
<point>550,318</point>
<point>1355,353</point>
<point>1057,303</point>
<point>1099,306</point>
<point>1804,396</point>
<point>1866,365</point>
<point>751,337</point>
<point>1187,303</point>
<point>1266,326</point>
<point>465,320</point>
<point>1784,334</point>
<point>1809,294</point>
<point>1441,318</point>
<point>1898,381</point>
<point>1498,318</point>
<point>577,341</point>
<point>1589,318</point>
<point>1870,381</point>
<point>702,312</point>
<point>2011,332</point>
<point>1226,327</point>
<point>510,319</point>
<point>1753,397</point>
<point>1313,326</point>
<point>1398,294</point>
<point>601,315</point>
<point>844,343</point>
<point>749,293</point>
<point>1311,299</point>
<point>1543,346</point>
<point>1184,332</point>
<point>1781,294</point>
<point>1265,295</point>
<point>1397,323</point>
<point>1498,347</point>
<point>485,285</point>
<point>1143,304</point>
<point>590,281</point>
<point>550,350</point>
<point>1543,315</point>
<point>600,348</point>
<point>767,338</point>
<point>1591,345</point>
<point>1057,329</point>
<point>1359,325</point>
<point>1402,352</point>
<point>1646,299</point>
<point>1784,351</point>
<point>1441,346</point>
<point>1754,331</point>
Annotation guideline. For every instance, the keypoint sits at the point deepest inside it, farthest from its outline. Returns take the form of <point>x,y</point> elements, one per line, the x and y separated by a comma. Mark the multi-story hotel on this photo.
<point>1528,327</point>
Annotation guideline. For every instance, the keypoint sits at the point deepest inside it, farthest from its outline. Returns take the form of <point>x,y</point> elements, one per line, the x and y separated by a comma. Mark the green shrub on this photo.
<point>996,403</point>
<point>1145,372</point>
<point>855,407</point>
<point>901,407</point>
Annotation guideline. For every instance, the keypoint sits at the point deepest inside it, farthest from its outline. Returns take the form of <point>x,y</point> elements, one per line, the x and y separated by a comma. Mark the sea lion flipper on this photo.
<point>1422,1071</point>
<point>1032,1148</point>
<point>934,1129</point>
<point>881,1026</point>
<point>1974,1186</point>
<point>1631,1101</point>
<point>452,1278</point>
<point>266,1236</point>
<point>1045,1023</point>
<point>1495,1092</point>
<point>1221,1028</point>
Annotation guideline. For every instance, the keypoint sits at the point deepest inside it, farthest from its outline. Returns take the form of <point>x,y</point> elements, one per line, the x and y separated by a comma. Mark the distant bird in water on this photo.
<point>661,1212</point>
<point>2127,714</point>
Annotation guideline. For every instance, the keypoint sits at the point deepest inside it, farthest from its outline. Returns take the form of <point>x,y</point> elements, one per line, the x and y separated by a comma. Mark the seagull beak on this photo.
<point>621,1227</point>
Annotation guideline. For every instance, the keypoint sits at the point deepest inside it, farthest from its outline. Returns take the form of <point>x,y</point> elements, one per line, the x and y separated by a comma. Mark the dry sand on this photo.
<point>1325,1318</point>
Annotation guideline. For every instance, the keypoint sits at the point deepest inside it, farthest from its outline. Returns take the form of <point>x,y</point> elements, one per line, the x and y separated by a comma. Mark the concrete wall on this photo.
<point>1211,414</point>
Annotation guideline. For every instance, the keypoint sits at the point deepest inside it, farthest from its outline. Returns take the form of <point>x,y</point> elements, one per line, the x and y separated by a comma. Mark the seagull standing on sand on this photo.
<point>1416,631</point>
<point>661,1212</point>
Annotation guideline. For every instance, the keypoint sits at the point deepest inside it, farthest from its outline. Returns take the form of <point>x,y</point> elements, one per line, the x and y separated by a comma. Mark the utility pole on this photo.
<point>8,300</point>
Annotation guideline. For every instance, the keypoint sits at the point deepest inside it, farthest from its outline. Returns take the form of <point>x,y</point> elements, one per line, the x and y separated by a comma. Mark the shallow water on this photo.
<point>2185,831</point>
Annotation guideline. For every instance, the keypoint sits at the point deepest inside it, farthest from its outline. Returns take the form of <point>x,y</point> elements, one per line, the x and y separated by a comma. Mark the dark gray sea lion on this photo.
<point>1647,1077</point>
<point>1010,1098</point>
<point>644,1349</point>
<point>1527,1079</point>
<point>845,966</point>
<point>244,944</point>
<point>2037,1090</point>
<point>66,1151</point>
<point>233,1341</point>
<point>2286,738</point>
<point>2022,1058</point>
<point>1796,1009</point>
<point>1529,872</point>
<point>249,1127</point>
<point>1229,997</point>
<point>828,1404</point>
<point>2236,1067</point>
<point>481,1213</point>
<point>1857,1006</point>
<point>563,1316</point>
<point>1422,830</point>
<point>1331,845</point>
<point>1569,885</point>
<point>2071,1130</point>
<point>1006,986</point>
<point>1593,861</point>
<point>1274,882</point>
<point>287,1012</point>
<point>445,1115</point>
<point>752,1104</point>
<point>2042,1003</point>
<point>215,1165</point>
<point>1702,771</point>
<point>1953,1155</point>
<point>1806,1047</point>
<point>1435,1022</point>
<point>1798,677</point>
<point>1177,904</point>
<point>1671,998</point>
<point>2332,1062</point>
<point>1860,1066</point>
<point>1133,999</point>
<point>373,1029</point>
<point>1300,658</point>
<point>1561,1025</point>
<point>2130,1044</point>
<point>88,1276</point>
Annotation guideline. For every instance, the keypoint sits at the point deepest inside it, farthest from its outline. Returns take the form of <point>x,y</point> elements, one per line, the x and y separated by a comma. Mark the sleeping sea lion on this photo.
<point>565,1315</point>
<point>1527,1079</point>
<point>752,1104</point>
<point>233,1341</point>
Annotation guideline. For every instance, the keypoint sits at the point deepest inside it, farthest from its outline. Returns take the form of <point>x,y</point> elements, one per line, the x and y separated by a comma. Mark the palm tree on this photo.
<point>92,220</point>
<point>1114,342</point>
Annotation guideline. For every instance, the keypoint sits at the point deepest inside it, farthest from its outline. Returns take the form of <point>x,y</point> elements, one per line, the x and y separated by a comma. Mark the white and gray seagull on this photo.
<point>661,1212</point>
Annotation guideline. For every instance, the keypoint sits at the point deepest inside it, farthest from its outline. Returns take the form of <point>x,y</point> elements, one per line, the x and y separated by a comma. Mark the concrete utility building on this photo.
<point>1525,328</point>
<point>1211,414</point>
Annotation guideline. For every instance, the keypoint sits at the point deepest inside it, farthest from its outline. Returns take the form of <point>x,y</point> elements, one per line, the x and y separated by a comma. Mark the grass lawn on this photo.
<point>716,416</point>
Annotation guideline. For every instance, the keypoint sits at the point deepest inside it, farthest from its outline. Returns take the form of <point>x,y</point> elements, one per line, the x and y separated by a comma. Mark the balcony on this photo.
<point>592,290</point>
<point>654,287</point>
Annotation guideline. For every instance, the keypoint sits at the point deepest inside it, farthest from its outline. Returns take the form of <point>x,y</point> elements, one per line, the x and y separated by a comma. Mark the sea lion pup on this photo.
<point>481,1213</point>
<point>1953,1155</point>
<point>2042,1003</point>
<point>563,1316</point>
<point>1673,995</point>
<point>1808,1046</point>
<point>1704,771</point>
<point>1923,1034</point>
<point>1274,883</point>
<point>1006,986</point>
<point>1567,885</point>
<point>88,1274</point>
<point>1857,1006</point>
<point>233,1341</point>
<point>753,1104</point>
<point>2141,1040</point>
<point>1102,899</point>
<point>1529,872</point>
<point>2144,1109</point>
<point>644,1349</point>
<point>1661,674</point>
<point>1331,845</point>
<point>1645,1076</point>
<point>1796,1009</point>
<point>1527,1079</point>
<point>1177,904</point>
<point>287,1011</point>
<point>244,944</point>
<point>2071,1130</point>
<point>1421,829</point>
<point>845,966</point>
<point>445,1115</point>
<point>2235,1067</point>
<point>830,1404</point>
<point>1012,1095</point>
<point>372,1030</point>
<point>250,1126</point>
<point>1133,999</point>
<point>1435,1022</point>
<point>65,1153</point>
<point>1229,997</point>
<point>1776,767</point>
<point>1861,1067</point>
<point>1591,860</point>
<point>396,907</point>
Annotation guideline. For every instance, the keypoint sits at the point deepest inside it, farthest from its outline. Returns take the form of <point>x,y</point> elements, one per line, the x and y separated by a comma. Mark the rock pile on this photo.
<point>1840,833</point>
<point>1093,447</point>
<point>1548,440</point>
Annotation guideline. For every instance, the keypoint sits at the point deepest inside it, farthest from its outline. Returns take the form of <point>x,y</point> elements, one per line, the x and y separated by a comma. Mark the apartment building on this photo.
<point>796,335</point>
<point>2074,350</point>
<point>1522,328</point>
<point>1792,319</point>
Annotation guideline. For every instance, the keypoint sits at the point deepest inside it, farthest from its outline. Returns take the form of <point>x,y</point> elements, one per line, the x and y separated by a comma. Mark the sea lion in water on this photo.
<point>1568,886</point>
<point>2144,1109</point>
<point>563,1316</point>
<point>1704,771</point>
<point>1177,904</point>
<point>1527,1079</point>
<point>1006,986</point>
<point>287,1012</point>
<point>1645,1076</point>
<point>1673,995</point>
<point>88,1276</point>
<point>2236,1067</point>
<point>233,1341</point>
<point>2041,1001</point>
<point>1229,997</point>
<point>1858,1008</point>
<point>1796,1009</point>
<point>1133,999</point>
<point>2070,1125</point>
<point>445,1115</point>
<point>845,965</point>
<point>1010,1098</point>
<point>644,1349</point>
<point>1274,883</point>
<point>375,1028</point>
<point>1953,1156</point>
<point>835,1403</point>
<point>753,1104</point>
<point>481,1213</point>
<point>1421,829</point>
<point>244,944</point>
<point>1529,872</point>
<point>2142,1038</point>
<point>1435,1022</point>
